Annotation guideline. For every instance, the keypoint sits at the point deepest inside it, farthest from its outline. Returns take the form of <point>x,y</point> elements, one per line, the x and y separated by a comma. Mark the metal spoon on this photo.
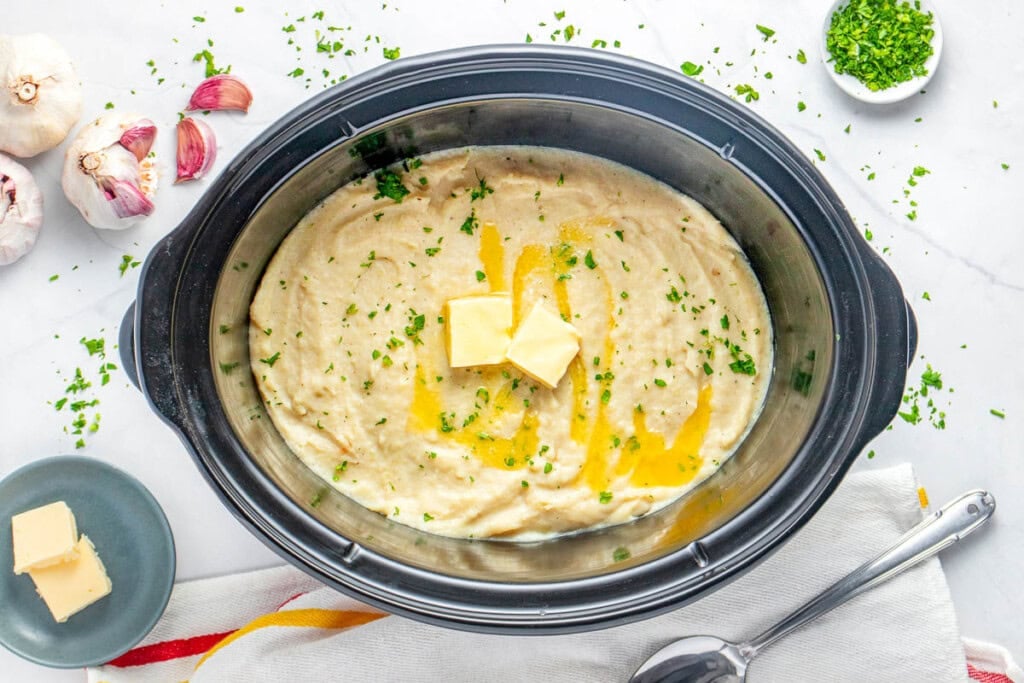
<point>706,659</point>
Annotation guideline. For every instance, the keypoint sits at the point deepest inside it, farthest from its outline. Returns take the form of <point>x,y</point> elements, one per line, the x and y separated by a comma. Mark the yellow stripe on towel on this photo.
<point>310,618</point>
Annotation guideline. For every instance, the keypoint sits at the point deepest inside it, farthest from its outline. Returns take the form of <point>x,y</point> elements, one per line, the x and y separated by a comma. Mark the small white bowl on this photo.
<point>901,91</point>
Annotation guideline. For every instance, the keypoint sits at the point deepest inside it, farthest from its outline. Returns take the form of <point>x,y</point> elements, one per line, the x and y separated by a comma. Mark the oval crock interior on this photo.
<point>780,257</point>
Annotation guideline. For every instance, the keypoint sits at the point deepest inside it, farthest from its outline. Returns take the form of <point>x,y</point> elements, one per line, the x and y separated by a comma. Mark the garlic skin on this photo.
<point>109,171</point>
<point>40,94</point>
<point>222,91</point>
<point>21,211</point>
<point>197,149</point>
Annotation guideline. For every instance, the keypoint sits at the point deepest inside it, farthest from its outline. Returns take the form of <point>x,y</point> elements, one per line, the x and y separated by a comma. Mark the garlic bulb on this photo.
<point>40,96</point>
<point>109,171</point>
<point>21,210</point>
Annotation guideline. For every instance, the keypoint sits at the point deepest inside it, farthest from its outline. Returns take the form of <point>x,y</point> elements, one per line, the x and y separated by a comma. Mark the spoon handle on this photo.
<point>936,532</point>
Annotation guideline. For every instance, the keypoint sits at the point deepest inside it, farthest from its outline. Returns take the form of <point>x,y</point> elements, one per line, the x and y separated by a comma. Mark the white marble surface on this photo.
<point>963,249</point>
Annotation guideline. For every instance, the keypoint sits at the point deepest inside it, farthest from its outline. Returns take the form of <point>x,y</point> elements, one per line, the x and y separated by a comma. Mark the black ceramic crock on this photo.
<point>844,335</point>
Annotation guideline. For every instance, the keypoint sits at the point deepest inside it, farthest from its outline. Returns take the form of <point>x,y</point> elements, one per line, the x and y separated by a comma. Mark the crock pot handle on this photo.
<point>126,345</point>
<point>897,343</point>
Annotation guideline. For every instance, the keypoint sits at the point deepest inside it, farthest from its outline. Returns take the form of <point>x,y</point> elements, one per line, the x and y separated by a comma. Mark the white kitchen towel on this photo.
<point>279,625</point>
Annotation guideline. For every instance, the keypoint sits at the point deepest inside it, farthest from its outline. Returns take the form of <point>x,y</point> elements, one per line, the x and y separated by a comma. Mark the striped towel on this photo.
<point>280,625</point>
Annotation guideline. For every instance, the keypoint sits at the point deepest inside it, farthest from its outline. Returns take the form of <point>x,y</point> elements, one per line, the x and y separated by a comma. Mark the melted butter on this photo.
<point>533,257</point>
<point>645,457</point>
<point>492,256</point>
<point>651,462</point>
<point>494,451</point>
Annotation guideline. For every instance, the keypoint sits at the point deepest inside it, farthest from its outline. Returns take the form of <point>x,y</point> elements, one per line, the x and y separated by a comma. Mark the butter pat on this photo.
<point>478,329</point>
<point>43,536</point>
<point>71,586</point>
<point>543,346</point>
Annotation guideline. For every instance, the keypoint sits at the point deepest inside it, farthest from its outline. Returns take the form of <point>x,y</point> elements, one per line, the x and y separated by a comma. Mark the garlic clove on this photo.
<point>222,91</point>
<point>40,95</point>
<point>125,199</point>
<point>139,138</point>
<point>21,210</point>
<point>110,171</point>
<point>197,149</point>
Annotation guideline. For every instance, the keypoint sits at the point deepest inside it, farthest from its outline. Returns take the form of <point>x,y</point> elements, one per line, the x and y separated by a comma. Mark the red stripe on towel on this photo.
<point>169,649</point>
<point>986,676</point>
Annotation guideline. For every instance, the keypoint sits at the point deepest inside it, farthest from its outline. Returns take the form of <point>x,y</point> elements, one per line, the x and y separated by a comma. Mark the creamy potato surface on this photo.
<point>347,342</point>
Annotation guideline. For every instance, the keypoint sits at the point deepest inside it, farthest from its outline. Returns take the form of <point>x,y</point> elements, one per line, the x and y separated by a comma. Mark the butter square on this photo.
<point>478,329</point>
<point>543,346</point>
<point>43,536</point>
<point>71,586</point>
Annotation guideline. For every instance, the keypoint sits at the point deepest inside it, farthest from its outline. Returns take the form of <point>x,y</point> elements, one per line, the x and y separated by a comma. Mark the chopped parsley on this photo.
<point>470,224</point>
<point>765,31</point>
<point>272,359</point>
<point>748,93</point>
<point>389,184</point>
<point>881,43</point>
<point>998,413</point>
<point>392,53</point>
<point>480,191</point>
<point>226,368</point>
<point>691,69</point>
<point>589,260</point>
<point>127,261</point>
<point>605,497</point>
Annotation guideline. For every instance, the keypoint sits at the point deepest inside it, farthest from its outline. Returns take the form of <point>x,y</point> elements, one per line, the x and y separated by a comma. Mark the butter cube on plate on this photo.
<point>478,329</point>
<point>543,346</point>
<point>43,536</point>
<point>69,587</point>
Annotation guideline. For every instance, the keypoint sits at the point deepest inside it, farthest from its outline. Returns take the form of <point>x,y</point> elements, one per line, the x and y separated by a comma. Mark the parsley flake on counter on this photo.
<point>392,53</point>
<point>211,68</point>
<point>747,92</point>
<point>998,413</point>
<point>916,397</point>
<point>801,57</point>
<point>691,69</point>
<point>127,261</point>
<point>765,31</point>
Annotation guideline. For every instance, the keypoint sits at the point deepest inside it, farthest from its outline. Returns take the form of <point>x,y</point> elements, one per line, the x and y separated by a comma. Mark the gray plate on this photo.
<point>133,539</point>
